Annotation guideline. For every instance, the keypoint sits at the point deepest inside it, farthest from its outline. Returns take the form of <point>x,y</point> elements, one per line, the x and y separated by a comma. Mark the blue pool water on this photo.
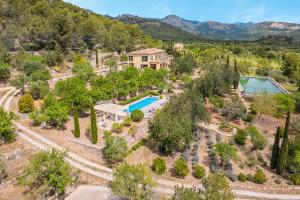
<point>141,104</point>
<point>252,85</point>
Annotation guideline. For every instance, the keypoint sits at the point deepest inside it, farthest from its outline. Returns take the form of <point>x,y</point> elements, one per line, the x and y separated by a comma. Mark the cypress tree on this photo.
<point>76,124</point>
<point>275,150</point>
<point>226,73</point>
<point>94,128</point>
<point>281,163</point>
<point>236,76</point>
<point>97,59</point>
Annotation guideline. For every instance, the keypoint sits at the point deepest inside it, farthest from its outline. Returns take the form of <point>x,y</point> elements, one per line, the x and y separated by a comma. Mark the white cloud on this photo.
<point>245,13</point>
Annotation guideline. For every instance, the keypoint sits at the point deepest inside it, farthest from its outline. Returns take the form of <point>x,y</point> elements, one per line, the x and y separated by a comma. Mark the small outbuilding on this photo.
<point>110,111</point>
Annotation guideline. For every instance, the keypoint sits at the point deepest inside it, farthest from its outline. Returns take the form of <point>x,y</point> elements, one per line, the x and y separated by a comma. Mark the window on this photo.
<point>131,64</point>
<point>144,58</point>
<point>153,66</point>
<point>144,66</point>
<point>130,58</point>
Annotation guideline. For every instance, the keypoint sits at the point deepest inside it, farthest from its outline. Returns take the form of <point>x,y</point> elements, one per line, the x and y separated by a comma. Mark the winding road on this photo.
<point>103,172</point>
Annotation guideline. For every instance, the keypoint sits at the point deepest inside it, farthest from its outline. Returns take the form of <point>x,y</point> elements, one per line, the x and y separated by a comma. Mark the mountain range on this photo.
<point>173,27</point>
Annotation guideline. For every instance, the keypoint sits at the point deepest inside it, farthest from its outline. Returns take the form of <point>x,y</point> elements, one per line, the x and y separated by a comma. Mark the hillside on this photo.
<point>44,24</point>
<point>235,31</point>
<point>158,29</point>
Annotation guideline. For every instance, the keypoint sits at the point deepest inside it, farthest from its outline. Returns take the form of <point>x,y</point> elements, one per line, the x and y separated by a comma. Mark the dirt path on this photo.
<point>165,186</point>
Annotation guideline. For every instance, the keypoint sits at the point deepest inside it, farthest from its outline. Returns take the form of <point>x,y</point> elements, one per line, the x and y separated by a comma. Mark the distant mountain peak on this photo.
<point>172,17</point>
<point>218,30</point>
<point>233,31</point>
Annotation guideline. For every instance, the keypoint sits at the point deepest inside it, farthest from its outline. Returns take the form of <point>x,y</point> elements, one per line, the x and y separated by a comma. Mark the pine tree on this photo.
<point>97,59</point>
<point>236,76</point>
<point>275,150</point>
<point>281,163</point>
<point>76,124</point>
<point>94,128</point>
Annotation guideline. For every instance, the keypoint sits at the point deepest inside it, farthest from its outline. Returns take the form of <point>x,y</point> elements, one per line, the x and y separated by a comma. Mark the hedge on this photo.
<point>138,97</point>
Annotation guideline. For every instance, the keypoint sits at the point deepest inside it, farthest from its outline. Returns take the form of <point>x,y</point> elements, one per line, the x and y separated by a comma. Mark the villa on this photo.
<point>151,57</point>
<point>178,47</point>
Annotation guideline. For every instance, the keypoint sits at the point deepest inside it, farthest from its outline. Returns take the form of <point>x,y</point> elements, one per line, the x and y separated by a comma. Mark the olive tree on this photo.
<point>47,173</point>
<point>133,182</point>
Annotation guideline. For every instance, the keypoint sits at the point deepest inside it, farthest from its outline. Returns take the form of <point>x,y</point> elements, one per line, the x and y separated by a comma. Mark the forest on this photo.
<point>51,25</point>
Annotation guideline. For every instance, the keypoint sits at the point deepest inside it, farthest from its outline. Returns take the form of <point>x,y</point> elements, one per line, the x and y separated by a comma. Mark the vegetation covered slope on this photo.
<point>158,29</point>
<point>43,24</point>
<point>235,31</point>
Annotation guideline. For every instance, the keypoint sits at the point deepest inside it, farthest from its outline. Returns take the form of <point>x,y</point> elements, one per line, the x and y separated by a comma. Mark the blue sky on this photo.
<point>200,10</point>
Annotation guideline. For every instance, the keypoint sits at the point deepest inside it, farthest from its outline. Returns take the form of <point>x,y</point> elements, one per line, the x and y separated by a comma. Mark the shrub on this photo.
<point>248,118</point>
<point>295,178</point>
<point>4,71</point>
<point>132,130</point>
<point>279,78</point>
<point>240,137</point>
<point>231,142</point>
<point>217,101</point>
<point>139,144</point>
<point>182,193</point>
<point>249,177</point>
<point>185,155</point>
<point>39,89</point>
<point>117,128</point>
<point>56,115</point>
<point>137,116</point>
<point>251,161</point>
<point>277,181</point>
<point>209,143</point>
<point>159,165</point>
<point>242,177</point>
<point>234,110</point>
<point>195,159</point>
<point>26,104</point>
<point>214,167</point>
<point>37,117</point>
<point>241,165</point>
<point>2,171</point>
<point>107,133</point>
<point>231,176</point>
<point>199,171</point>
<point>259,177</point>
<point>261,159</point>
<point>127,122</point>
<point>181,168</point>
<point>218,138</point>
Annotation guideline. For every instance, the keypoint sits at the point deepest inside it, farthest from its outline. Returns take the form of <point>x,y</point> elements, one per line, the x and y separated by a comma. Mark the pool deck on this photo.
<point>278,85</point>
<point>151,108</point>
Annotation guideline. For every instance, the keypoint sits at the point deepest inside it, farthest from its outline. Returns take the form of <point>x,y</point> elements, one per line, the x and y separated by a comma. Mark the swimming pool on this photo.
<point>141,104</point>
<point>253,85</point>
